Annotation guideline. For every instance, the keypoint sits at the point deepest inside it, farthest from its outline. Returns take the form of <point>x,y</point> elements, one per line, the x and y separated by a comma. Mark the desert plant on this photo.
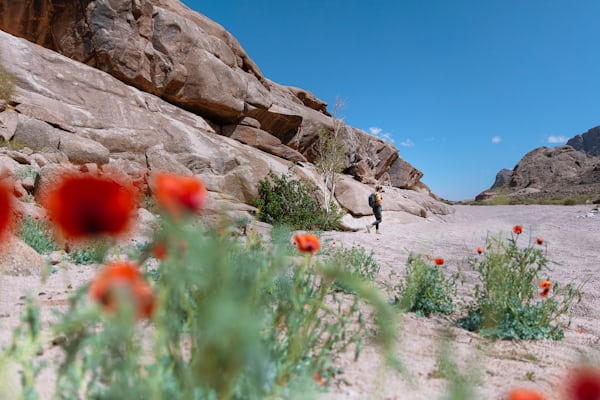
<point>229,319</point>
<point>36,233</point>
<point>357,261</point>
<point>284,200</point>
<point>331,154</point>
<point>89,253</point>
<point>507,301</point>
<point>7,86</point>
<point>427,288</point>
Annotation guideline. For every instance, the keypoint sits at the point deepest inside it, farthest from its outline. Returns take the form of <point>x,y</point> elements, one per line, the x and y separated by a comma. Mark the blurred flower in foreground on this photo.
<point>179,194</point>
<point>517,229</point>
<point>546,286</point>
<point>123,278</point>
<point>584,384</point>
<point>88,205</point>
<point>307,243</point>
<point>524,394</point>
<point>479,250</point>
<point>439,261</point>
<point>539,240</point>
<point>6,207</point>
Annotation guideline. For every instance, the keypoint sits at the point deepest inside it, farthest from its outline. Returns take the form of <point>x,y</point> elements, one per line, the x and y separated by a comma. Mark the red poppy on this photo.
<point>539,240</point>
<point>317,378</point>
<point>584,384</point>
<point>88,205</point>
<point>517,229</point>
<point>544,293</point>
<point>159,250</point>
<point>479,250</point>
<point>123,276</point>
<point>546,285</point>
<point>439,261</point>
<point>307,243</point>
<point>179,194</point>
<point>6,207</point>
<point>524,394</point>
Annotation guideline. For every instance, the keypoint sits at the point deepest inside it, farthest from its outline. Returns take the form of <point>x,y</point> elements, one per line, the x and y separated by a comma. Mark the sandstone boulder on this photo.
<point>164,48</point>
<point>19,259</point>
<point>588,142</point>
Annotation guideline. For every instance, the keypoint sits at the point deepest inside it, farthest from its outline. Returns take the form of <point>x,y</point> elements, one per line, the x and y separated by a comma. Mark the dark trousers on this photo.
<point>377,213</point>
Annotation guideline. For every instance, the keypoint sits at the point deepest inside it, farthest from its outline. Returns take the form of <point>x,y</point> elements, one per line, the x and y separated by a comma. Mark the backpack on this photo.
<point>372,200</point>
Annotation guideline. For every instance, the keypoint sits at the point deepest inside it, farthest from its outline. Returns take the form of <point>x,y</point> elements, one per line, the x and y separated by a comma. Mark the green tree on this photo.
<point>331,155</point>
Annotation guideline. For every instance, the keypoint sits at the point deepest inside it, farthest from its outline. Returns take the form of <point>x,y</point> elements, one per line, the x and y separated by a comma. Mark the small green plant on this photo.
<point>508,303</point>
<point>427,289</point>
<point>357,261</point>
<point>91,253</point>
<point>7,86</point>
<point>36,233</point>
<point>26,172</point>
<point>284,200</point>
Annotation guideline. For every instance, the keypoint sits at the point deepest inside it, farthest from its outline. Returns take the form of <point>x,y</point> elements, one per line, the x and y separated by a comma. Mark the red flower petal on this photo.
<point>6,207</point>
<point>179,194</point>
<point>307,243</point>
<point>123,276</point>
<point>524,394</point>
<point>439,261</point>
<point>518,229</point>
<point>87,205</point>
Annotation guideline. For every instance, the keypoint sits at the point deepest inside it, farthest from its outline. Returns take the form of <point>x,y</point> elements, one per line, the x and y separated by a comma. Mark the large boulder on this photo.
<point>353,197</point>
<point>588,142</point>
<point>17,258</point>
<point>164,48</point>
<point>550,173</point>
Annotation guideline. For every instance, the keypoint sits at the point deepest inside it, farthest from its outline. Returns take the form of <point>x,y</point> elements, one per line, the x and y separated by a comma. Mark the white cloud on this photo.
<point>557,139</point>
<point>407,143</point>
<point>496,139</point>
<point>375,131</point>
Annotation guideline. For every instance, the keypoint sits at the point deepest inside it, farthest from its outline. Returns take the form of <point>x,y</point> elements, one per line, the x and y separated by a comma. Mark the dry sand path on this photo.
<point>572,240</point>
<point>572,235</point>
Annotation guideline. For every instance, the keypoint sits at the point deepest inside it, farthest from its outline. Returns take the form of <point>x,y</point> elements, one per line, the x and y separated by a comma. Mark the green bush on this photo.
<point>90,253</point>
<point>284,200</point>
<point>508,303</point>
<point>232,321</point>
<point>36,233</point>
<point>427,289</point>
<point>7,86</point>
<point>357,262</point>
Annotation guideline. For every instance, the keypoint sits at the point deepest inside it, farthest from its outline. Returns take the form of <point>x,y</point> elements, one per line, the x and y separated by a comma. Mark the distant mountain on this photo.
<point>565,173</point>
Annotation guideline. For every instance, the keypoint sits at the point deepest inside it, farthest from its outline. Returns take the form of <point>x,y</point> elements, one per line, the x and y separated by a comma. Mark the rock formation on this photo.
<point>562,172</point>
<point>147,85</point>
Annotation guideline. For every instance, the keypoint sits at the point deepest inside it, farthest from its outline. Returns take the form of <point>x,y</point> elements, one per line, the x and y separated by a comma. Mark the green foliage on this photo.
<point>427,289</point>
<point>90,253</point>
<point>36,233</point>
<point>233,321</point>
<point>508,303</point>
<point>284,200</point>
<point>357,262</point>
<point>332,153</point>
<point>7,86</point>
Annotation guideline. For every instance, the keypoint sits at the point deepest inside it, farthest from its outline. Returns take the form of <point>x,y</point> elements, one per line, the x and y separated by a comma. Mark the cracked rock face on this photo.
<point>183,83</point>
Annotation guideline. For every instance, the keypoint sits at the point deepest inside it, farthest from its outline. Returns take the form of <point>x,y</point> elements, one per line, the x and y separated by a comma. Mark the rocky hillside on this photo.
<point>564,172</point>
<point>141,86</point>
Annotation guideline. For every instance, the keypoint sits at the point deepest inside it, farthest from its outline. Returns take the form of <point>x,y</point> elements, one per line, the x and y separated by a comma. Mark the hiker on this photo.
<point>375,204</point>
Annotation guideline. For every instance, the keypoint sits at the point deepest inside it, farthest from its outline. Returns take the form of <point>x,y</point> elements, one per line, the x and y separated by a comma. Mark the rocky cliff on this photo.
<point>563,172</point>
<point>147,85</point>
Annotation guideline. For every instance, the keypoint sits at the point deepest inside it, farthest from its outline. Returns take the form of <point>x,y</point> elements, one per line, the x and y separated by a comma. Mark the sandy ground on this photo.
<point>572,235</point>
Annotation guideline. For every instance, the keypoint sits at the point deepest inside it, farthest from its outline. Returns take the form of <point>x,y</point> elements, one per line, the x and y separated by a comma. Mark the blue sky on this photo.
<point>463,88</point>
